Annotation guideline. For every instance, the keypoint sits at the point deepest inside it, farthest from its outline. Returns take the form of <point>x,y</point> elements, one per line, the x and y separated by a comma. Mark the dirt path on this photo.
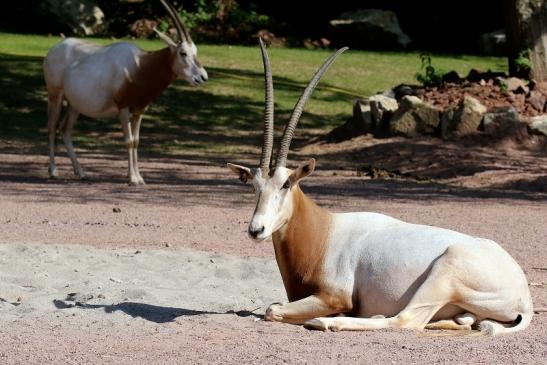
<point>172,277</point>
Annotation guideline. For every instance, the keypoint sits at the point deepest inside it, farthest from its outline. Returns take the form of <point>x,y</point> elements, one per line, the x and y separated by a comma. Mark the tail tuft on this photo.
<point>493,328</point>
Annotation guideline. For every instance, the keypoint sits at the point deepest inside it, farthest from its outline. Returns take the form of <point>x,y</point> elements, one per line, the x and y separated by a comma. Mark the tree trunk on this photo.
<point>526,30</point>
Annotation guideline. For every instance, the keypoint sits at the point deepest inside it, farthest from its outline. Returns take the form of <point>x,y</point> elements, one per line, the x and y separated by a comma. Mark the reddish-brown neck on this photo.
<point>300,246</point>
<point>153,74</point>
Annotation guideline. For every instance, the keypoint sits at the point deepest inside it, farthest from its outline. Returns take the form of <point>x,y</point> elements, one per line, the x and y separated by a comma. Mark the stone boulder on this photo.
<point>465,119</point>
<point>508,114</point>
<point>414,116</point>
<point>382,108</point>
<point>538,124</point>
<point>80,18</point>
<point>515,85</point>
<point>360,123</point>
<point>500,121</point>
<point>362,116</point>
<point>493,44</point>
<point>537,100</point>
<point>369,29</point>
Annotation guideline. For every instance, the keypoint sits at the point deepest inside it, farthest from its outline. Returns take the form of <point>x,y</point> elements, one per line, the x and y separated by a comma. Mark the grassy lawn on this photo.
<point>224,115</point>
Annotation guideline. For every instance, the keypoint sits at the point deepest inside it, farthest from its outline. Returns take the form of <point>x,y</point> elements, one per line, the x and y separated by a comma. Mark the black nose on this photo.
<point>255,232</point>
<point>204,78</point>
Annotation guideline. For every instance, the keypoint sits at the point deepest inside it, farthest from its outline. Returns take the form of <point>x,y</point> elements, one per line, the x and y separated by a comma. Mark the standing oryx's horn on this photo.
<point>184,36</point>
<point>299,108</point>
<point>267,146</point>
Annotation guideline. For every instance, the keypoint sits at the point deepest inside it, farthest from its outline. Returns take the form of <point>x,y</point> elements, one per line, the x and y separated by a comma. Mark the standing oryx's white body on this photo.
<point>90,75</point>
<point>117,80</point>
<point>378,271</point>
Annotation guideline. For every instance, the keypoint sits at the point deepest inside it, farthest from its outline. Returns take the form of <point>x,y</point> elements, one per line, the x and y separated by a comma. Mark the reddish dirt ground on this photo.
<point>197,204</point>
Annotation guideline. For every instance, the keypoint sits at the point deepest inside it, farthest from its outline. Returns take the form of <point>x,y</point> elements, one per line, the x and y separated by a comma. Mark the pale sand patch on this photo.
<point>157,285</point>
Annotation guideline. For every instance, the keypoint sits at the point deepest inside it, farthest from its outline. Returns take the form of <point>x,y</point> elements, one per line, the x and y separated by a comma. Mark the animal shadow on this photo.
<point>149,312</point>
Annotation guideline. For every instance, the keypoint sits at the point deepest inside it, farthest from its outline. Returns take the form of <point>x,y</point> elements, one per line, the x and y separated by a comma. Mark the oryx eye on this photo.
<point>183,53</point>
<point>286,185</point>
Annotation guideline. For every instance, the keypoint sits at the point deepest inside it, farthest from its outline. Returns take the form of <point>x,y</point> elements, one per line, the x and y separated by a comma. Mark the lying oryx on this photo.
<point>115,80</point>
<point>380,271</point>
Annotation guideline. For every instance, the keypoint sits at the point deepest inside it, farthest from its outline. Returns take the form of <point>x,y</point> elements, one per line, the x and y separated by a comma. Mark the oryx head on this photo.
<point>186,64</point>
<point>273,187</point>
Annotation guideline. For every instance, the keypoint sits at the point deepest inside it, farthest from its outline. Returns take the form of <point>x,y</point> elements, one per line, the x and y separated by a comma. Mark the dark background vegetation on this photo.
<point>441,26</point>
<point>438,26</point>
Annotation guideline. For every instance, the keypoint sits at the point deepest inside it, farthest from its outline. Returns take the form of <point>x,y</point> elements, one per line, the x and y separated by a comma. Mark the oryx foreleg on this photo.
<point>299,311</point>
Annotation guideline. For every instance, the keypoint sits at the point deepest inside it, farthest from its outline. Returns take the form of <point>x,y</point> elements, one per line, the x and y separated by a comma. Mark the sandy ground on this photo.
<point>172,277</point>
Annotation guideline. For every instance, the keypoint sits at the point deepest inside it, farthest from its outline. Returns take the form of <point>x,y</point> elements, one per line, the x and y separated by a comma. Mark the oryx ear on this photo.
<point>302,171</point>
<point>243,172</point>
<point>164,37</point>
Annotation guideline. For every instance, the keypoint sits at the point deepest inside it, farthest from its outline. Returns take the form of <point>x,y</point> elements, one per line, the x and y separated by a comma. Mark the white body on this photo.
<point>90,83</point>
<point>383,261</point>
<point>117,80</point>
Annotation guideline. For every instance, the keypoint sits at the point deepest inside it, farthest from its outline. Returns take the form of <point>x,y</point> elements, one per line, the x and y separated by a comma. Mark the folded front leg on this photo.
<point>299,311</point>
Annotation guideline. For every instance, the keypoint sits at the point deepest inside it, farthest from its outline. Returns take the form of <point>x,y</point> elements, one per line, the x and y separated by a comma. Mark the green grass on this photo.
<point>224,115</point>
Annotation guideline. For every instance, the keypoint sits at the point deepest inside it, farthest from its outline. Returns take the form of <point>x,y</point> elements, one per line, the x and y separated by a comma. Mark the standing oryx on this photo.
<point>115,80</point>
<point>378,270</point>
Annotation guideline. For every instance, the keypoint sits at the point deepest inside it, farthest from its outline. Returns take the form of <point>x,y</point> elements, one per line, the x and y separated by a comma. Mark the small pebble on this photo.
<point>116,210</point>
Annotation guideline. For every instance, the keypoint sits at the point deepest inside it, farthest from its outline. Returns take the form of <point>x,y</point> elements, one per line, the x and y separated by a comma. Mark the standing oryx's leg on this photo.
<point>54,106</point>
<point>72,116</point>
<point>125,119</point>
<point>135,127</point>
<point>300,311</point>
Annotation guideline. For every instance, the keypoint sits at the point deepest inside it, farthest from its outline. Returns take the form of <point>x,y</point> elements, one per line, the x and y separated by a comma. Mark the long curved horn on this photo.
<point>181,30</point>
<point>299,108</point>
<point>181,24</point>
<point>267,146</point>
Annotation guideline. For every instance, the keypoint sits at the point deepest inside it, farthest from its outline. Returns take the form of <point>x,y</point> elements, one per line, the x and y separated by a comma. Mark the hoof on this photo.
<point>52,173</point>
<point>272,313</point>
<point>135,181</point>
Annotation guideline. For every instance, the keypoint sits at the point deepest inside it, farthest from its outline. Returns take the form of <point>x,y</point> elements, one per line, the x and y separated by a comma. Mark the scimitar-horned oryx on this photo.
<point>378,271</point>
<point>118,80</point>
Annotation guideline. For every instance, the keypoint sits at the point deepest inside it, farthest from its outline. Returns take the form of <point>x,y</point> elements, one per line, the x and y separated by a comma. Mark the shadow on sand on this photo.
<point>149,312</point>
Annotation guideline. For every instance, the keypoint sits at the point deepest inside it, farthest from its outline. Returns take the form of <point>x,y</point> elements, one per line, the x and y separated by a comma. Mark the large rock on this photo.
<point>369,28</point>
<point>414,116</point>
<point>362,116</point>
<point>360,123</point>
<point>500,121</point>
<point>537,100</point>
<point>539,124</point>
<point>81,18</point>
<point>508,114</point>
<point>382,108</point>
<point>493,44</point>
<point>516,85</point>
<point>465,119</point>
